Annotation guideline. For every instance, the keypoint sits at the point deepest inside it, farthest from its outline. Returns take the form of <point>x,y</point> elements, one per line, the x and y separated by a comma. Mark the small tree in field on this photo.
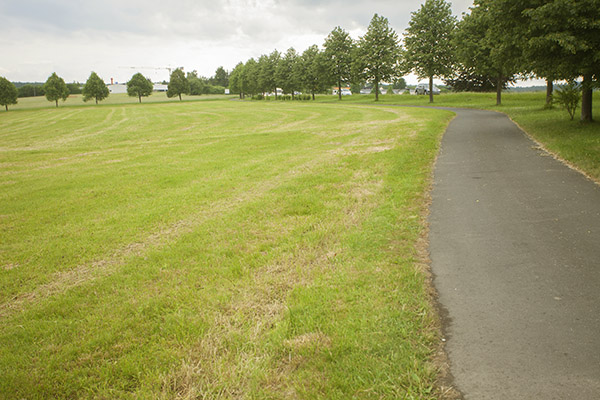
<point>178,84</point>
<point>95,88</point>
<point>338,56</point>
<point>8,92</point>
<point>139,86</point>
<point>569,96</point>
<point>56,88</point>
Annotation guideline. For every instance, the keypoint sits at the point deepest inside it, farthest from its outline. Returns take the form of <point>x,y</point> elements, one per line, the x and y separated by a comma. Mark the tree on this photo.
<point>564,43</point>
<point>313,71</point>
<point>8,92</point>
<point>221,77</point>
<point>338,54</point>
<point>178,84</point>
<point>378,53</point>
<point>56,88</point>
<point>267,68</point>
<point>250,77</point>
<point>488,41</point>
<point>139,86</point>
<point>399,83</point>
<point>95,88</point>
<point>429,43</point>
<point>197,85</point>
<point>287,72</point>
<point>235,80</point>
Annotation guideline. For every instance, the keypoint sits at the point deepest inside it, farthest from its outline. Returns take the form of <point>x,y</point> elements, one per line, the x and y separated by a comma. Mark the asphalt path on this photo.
<point>515,252</point>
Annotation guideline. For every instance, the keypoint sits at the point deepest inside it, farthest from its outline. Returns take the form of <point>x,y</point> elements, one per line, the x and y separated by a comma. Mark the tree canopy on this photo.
<point>338,55</point>
<point>95,88</point>
<point>8,92</point>
<point>378,53</point>
<point>139,86</point>
<point>178,84</point>
<point>56,88</point>
<point>428,41</point>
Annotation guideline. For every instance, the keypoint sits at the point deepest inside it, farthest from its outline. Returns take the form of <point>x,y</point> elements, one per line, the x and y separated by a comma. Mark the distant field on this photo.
<point>216,249</point>
<point>25,103</point>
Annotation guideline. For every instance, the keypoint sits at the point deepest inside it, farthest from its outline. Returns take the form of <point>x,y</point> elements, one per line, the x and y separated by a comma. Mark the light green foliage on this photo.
<point>211,249</point>
<point>339,47</point>
<point>428,41</point>
<point>95,88</point>
<point>378,53</point>
<point>178,84</point>
<point>56,88</point>
<point>568,96</point>
<point>139,86</point>
<point>288,73</point>
<point>8,92</point>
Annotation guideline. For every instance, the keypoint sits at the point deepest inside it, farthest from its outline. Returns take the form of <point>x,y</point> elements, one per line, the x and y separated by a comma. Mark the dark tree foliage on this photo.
<point>31,90</point>
<point>8,92</point>
<point>139,86</point>
<point>178,84</point>
<point>56,88</point>
<point>470,81</point>
<point>221,77</point>
<point>339,47</point>
<point>95,88</point>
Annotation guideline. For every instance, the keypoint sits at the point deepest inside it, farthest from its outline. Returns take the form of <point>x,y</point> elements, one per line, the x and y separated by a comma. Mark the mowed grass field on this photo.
<point>217,250</point>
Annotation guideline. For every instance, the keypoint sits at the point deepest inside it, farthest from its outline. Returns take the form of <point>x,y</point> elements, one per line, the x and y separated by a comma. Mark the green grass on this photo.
<point>216,249</point>
<point>577,143</point>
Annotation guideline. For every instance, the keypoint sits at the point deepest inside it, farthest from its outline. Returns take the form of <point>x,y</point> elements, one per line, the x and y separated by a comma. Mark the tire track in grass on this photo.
<point>85,272</point>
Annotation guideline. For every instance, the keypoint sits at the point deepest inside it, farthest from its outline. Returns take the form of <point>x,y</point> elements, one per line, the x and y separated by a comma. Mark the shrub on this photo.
<point>569,96</point>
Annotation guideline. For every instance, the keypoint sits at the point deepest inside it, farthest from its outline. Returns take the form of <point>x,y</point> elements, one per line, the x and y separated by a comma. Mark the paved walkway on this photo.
<point>515,250</point>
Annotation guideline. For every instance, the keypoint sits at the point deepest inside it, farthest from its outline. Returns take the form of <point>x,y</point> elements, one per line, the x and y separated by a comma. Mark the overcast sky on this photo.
<point>117,38</point>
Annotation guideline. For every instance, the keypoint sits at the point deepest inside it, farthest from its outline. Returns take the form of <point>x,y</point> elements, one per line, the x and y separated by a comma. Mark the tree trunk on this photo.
<point>56,103</point>
<point>586,99</point>
<point>6,105</point>
<point>339,89</point>
<point>179,96</point>
<point>376,90</point>
<point>96,101</point>
<point>499,90</point>
<point>431,89</point>
<point>140,97</point>
<point>549,90</point>
<point>313,95</point>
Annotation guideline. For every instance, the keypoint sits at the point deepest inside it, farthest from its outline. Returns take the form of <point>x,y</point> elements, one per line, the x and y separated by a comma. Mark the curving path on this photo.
<point>515,250</point>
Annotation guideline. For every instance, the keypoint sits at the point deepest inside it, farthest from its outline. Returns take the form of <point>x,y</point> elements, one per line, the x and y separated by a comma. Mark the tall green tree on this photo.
<point>235,80</point>
<point>250,77</point>
<point>139,86</point>
<point>56,88</point>
<point>564,43</point>
<point>8,92</point>
<point>287,72</point>
<point>489,41</point>
<point>221,77</point>
<point>428,41</point>
<point>267,70</point>
<point>338,55</point>
<point>313,71</point>
<point>378,53</point>
<point>95,88</point>
<point>178,84</point>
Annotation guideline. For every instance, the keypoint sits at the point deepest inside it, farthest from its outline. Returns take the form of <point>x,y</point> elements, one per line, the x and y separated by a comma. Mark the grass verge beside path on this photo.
<point>577,143</point>
<point>216,250</point>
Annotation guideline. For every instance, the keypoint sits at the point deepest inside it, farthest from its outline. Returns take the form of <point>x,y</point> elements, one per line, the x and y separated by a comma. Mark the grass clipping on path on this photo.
<point>216,250</point>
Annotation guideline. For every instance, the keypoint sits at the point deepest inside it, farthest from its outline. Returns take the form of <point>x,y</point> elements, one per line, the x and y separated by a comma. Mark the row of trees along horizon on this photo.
<point>494,44</point>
